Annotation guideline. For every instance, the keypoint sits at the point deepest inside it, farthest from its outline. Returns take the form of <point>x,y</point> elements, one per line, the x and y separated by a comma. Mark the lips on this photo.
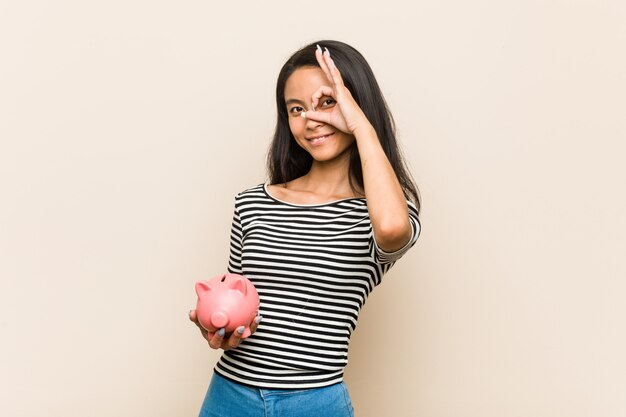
<point>320,139</point>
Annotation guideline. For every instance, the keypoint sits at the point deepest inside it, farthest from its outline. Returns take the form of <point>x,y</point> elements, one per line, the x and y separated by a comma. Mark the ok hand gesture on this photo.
<point>346,115</point>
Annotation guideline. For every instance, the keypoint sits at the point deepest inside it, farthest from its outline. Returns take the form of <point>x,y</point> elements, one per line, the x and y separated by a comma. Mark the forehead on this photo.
<point>303,82</point>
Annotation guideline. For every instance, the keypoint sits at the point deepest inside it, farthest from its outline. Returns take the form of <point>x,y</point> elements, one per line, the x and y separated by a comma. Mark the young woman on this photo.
<point>339,209</point>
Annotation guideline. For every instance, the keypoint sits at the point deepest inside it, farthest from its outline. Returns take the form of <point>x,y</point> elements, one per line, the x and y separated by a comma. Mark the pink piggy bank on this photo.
<point>227,301</point>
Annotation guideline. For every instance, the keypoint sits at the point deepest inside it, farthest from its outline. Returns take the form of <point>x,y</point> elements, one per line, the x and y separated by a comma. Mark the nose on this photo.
<point>313,124</point>
<point>219,319</point>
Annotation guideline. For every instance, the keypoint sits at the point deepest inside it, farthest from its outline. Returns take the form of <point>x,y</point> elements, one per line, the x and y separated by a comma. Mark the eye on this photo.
<point>327,102</point>
<point>296,110</point>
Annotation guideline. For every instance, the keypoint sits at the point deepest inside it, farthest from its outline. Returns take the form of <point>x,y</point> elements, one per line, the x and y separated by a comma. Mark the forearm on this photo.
<point>385,199</point>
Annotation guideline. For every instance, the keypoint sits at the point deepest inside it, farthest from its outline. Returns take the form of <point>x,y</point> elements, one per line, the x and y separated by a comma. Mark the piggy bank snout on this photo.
<point>226,301</point>
<point>219,319</point>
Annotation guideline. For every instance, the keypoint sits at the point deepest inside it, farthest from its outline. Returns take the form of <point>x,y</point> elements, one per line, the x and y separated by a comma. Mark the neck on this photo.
<point>329,178</point>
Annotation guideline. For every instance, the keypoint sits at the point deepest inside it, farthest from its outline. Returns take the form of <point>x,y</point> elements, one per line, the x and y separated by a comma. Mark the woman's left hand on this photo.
<point>345,115</point>
<point>217,340</point>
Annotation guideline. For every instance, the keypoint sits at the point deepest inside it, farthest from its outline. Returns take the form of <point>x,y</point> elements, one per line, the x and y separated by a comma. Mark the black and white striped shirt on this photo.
<point>313,266</point>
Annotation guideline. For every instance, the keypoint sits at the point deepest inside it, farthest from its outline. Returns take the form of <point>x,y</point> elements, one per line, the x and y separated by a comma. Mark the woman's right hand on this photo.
<point>218,341</point>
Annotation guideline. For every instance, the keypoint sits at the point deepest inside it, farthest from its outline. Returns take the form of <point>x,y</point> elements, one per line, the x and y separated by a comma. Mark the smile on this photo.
<point>318,140</point>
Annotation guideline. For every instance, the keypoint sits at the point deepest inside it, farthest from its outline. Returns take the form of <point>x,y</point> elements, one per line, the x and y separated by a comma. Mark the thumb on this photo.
<point>317,116</point>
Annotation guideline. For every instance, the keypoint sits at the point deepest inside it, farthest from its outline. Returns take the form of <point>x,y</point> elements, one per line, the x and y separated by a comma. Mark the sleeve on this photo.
<point>389,258</point>
<point>236,239</point>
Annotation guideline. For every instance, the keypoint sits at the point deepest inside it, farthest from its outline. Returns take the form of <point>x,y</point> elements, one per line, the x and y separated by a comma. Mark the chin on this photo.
<point>333,157</point>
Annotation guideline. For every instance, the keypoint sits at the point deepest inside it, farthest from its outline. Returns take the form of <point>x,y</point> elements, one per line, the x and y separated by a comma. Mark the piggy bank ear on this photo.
<point>202,287</point>
<point>239,284</point>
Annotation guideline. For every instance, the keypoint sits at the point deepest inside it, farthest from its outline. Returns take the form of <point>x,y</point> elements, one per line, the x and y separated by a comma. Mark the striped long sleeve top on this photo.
<point>313,267</point>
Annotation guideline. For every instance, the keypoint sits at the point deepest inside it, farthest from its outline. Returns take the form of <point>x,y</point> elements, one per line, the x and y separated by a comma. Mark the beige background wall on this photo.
<point>127,127</point>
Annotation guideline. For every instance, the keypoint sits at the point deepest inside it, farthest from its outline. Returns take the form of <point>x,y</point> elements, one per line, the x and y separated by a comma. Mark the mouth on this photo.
<point>318,140</point>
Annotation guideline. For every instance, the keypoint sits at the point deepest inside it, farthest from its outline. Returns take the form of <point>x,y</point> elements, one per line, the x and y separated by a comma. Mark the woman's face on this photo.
<point>322,141</point>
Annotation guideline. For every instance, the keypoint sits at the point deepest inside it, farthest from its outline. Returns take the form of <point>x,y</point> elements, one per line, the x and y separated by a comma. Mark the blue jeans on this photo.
<point>229,399</point>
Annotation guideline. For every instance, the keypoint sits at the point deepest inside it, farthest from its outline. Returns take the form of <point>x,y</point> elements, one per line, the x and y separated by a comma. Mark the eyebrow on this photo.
<point>292,101</point>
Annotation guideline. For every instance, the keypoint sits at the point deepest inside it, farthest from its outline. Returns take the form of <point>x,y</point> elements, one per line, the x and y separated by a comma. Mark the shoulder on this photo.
<point>256,194</point>
<point>252,191</point>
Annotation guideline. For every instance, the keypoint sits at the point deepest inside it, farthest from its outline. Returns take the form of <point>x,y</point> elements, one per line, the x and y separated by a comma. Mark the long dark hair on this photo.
<point>287,161</point>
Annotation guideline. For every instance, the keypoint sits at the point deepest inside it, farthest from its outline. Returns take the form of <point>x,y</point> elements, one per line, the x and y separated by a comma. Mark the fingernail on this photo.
<point>332,63</point>
<point>303,114</point>
<point>241,329</point>
<point>318,48</point>
<point>313,106</point>
<point>327,51</point>
<point>258,319</point>
<point>221,332</point>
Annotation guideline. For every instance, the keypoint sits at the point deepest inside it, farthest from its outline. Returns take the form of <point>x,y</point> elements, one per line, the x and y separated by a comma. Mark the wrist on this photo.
<point>364,129</point>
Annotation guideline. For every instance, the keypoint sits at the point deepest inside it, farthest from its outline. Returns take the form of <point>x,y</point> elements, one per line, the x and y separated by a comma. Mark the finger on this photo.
<point>193,316</point>
<point>235,338</point>
<point>333,73</point>
<point>322,61</point>
<point>255,323</point>
<point>216,341</point>
<point>323,91</point>
<point>318,116</point>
